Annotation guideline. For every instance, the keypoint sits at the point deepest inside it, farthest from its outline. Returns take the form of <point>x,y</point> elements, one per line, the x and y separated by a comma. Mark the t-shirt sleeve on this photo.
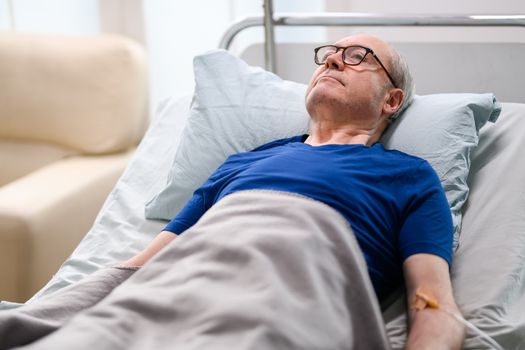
<point>427,225</point>
<point>189,214</point>
<point>200,201</point>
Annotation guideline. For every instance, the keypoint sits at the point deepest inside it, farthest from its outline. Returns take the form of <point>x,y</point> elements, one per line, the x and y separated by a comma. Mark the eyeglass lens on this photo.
<point>352,55</point>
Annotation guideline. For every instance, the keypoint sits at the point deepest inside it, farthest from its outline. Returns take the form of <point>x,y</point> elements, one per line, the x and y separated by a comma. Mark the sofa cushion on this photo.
<point>21,158</point>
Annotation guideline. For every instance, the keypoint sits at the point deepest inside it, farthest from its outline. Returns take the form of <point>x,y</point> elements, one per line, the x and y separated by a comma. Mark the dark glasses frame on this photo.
<point>345,50</point>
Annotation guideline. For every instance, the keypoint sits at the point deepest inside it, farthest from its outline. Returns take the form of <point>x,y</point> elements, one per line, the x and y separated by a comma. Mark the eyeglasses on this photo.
<point>352,55</point>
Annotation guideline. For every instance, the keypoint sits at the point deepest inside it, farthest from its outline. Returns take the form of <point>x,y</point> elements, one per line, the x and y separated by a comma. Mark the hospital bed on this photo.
<point>488,271</point>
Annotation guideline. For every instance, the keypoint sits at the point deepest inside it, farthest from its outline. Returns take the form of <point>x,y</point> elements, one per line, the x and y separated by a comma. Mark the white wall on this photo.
<point>51,16</point>
<point>5,21</point>
<point>176,31</point>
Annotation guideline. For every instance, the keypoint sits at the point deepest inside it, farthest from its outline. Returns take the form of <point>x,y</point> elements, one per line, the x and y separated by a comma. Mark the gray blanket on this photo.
<point>260,270</point>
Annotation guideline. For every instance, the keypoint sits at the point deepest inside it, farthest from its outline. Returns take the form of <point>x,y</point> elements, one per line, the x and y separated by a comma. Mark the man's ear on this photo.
<point>393,101</point>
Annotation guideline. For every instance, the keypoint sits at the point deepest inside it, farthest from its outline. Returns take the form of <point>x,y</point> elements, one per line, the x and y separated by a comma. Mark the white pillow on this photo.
<point>237,108</point>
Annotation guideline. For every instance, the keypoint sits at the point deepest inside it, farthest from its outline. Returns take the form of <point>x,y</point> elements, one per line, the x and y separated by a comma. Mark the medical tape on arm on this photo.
<point>423,300</point>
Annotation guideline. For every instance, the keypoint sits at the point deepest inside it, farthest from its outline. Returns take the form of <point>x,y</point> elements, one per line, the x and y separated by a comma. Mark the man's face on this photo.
<point>351,91</point>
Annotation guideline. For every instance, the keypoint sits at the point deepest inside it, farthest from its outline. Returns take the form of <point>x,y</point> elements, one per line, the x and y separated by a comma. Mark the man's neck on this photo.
<point>323,134</point>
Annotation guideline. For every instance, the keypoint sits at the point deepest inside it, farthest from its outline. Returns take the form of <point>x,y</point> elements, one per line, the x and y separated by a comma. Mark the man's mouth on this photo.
<point>330,78</point>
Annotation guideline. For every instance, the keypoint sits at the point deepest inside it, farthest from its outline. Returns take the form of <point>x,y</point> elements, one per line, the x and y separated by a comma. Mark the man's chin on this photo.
<point>322,95</point>
<point>316,99</point>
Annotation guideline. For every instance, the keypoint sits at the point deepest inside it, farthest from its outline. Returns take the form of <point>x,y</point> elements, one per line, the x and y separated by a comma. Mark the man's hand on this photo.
<point>431,326</point>
<point>159,242</point>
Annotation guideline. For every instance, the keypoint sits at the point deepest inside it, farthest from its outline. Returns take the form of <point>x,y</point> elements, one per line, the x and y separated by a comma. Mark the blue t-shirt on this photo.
<point>394,202</point>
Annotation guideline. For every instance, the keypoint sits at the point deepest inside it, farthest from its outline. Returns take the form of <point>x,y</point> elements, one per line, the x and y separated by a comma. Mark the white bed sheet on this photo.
<point>489,266</point>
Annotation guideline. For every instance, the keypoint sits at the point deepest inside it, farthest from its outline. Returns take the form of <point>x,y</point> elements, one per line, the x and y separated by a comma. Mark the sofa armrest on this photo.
<point>44,215</point>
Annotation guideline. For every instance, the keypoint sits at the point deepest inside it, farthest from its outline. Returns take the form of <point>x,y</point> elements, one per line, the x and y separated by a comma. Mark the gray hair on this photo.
<point>403,78</point>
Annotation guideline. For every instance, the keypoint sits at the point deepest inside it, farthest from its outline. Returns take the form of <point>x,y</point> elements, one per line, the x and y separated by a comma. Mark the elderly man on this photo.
<point>393,202</point>
<point>360,86</point>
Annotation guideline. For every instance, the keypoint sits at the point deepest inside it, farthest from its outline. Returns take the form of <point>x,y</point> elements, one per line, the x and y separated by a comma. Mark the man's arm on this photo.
<point>431,328</point>
<point>159,242</point>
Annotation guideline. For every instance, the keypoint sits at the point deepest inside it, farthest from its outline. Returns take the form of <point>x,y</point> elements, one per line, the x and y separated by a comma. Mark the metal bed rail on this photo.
<point>333,19</point>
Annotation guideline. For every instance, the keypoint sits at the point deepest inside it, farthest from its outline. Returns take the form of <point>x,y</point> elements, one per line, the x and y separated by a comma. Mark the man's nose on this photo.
<point>335,61</point>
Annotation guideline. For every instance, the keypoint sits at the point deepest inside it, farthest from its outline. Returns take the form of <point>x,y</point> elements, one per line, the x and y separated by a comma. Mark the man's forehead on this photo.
<point>370,41</point>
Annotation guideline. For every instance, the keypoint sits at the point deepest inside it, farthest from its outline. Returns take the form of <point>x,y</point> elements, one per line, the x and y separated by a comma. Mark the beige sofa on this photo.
<point>72,110</point>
